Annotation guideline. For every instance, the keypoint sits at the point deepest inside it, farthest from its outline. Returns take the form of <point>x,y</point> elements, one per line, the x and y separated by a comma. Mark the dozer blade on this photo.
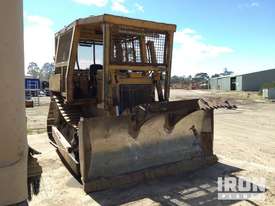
<point>157,139</point>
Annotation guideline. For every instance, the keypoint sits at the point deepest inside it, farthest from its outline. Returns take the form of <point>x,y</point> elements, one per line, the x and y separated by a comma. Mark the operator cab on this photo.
<point>88,70</point>
<point>113,63</point>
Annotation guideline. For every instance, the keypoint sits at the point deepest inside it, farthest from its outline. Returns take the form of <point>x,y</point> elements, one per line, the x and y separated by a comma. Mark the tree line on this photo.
<point>42,73</point>
<point>201,77</point>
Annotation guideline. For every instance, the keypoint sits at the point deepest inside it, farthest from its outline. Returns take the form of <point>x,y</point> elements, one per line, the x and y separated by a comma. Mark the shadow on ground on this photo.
<point>198,188</point>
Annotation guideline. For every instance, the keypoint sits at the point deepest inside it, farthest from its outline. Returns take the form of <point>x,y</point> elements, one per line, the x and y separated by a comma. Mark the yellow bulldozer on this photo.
<point>110,116</point>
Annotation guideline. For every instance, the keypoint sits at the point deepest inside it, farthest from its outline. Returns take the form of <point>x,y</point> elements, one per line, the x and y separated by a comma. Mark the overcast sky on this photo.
<point>211,34</point>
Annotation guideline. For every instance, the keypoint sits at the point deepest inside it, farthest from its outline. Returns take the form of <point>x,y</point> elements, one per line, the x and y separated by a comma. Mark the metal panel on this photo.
<point>224,83</point>
<point>221,83</point>
<point>32,83</point>
<point>239,83</point>
<point>269,93</point>
<point>54,83</point>
<point>254,81</point>
<point>214,83</point>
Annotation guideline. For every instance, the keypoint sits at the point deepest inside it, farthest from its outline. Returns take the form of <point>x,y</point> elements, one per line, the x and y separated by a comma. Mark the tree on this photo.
<point>47,71</point>
<point>177,79</point>
<point>34,70</point>
<point>201,77</point>
<point>43,73</point>
<point>215,75</point>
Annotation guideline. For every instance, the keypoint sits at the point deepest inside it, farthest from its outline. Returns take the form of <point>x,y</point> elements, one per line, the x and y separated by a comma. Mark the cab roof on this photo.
<point>119,20</point>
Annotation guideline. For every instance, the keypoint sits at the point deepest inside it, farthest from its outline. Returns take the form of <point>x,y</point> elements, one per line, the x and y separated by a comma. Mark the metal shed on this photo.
<point>221,83</point>
<point>245,82</point>
<point>254,81</point>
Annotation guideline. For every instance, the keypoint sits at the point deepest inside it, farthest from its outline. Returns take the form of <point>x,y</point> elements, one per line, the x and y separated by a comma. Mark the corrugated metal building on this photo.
<point>221,83</point>
<point>245,82</point>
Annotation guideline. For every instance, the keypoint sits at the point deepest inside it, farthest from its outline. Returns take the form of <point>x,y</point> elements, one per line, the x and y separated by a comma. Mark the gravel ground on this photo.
<point>244,142</point>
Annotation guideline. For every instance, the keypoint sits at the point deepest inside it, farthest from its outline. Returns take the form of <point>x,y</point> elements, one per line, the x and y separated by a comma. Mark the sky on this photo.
<point>211,34</point>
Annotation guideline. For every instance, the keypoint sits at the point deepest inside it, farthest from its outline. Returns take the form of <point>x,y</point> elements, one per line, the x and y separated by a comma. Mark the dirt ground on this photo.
<point>244,143</point>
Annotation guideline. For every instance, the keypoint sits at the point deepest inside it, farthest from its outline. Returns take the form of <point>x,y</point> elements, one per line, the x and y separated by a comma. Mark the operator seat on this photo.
<point>93,81</point>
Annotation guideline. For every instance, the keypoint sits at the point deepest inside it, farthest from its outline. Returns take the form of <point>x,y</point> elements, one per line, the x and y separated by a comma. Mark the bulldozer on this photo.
<point>110,116</point>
